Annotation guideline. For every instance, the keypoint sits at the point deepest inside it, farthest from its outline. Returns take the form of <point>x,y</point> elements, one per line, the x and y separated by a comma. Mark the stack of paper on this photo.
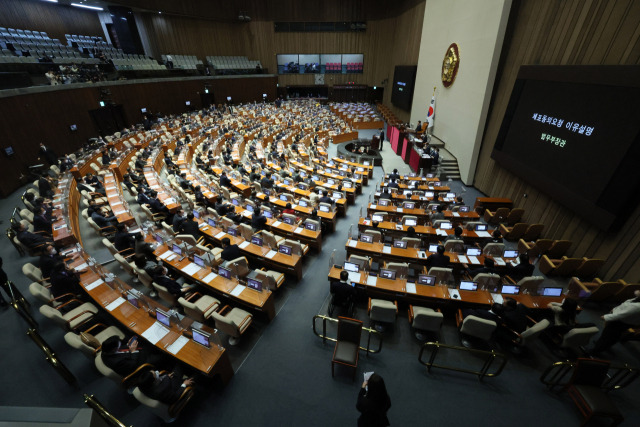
<point>499,261</point>
<point>271,254</point>
<point>190,269</point>
<point>372,280</point>
<point>483,234</point>
<point>298,230</point>
<point>386,249</point>
<point>93,285</point>
<point>441,232</point>
<point>411,288</point>
<point>463,259</point>
<point>177,345</point>
<point>238,290</point>
<point>497,298</point>
<point>474,260</point>
<point>352,243</point>
<point>155,333</point>
<point>209,277</point>
<point>220,235</point>
<point>244,244</point>
<point>453,293</point>
<point>277,223</point>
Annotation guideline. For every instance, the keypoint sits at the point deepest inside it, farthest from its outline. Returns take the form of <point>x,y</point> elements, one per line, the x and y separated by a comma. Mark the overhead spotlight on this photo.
<point>159,12</point>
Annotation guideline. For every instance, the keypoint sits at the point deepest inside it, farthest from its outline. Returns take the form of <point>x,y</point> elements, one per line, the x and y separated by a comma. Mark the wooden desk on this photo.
<point>240,188</point>
<point>116,200</point>
<point>328,218</point>
<point>493,203</point>
<point>422,231</point>
<point>66,203</point>
<point>207,361</point>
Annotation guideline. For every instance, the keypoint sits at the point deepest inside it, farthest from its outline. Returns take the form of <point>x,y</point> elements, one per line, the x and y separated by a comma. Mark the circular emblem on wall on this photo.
<point>450,65</point>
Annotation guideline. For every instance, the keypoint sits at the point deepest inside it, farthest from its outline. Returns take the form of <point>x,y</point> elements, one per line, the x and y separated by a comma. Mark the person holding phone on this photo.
<point>373,402</point>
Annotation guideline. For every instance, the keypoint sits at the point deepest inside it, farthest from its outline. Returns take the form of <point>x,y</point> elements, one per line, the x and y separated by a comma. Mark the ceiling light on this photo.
<point>86,6</point>
<point>52,1</point>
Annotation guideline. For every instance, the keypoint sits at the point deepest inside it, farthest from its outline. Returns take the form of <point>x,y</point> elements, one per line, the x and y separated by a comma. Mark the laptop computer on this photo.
<point>254,284</point>
<point>410,222</point>
<point>510,254</point>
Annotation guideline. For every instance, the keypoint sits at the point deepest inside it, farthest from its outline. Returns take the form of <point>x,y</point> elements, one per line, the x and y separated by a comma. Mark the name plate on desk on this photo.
<point>499,261</point>
<point>203,226</point>
<point>400,210</point>
<point>238,290</point>
<point>373,206</point>
<point>441,233</point>
<point>166,255</point>
<point>456,214</point>
<point>81,267</point>
<point>58,227</point>
<point>422,254</point>
<point>372,280</point>
<point>497,298</point>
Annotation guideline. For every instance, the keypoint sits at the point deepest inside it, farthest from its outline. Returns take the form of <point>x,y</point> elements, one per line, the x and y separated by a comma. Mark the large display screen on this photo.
<point>404,78</point>
<point>351,63</point>
<point>574,132</point>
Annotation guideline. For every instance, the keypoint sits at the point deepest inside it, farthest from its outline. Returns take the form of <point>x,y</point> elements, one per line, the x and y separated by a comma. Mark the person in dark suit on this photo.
<point>515,315</point>
<point>50,258</point>
<point>167,388</point>
<point>44,187</point>
<point>394,175</point>
<point>103,219</point>
<point>494,314</point>
<point>42,222</point>
<point>342,291</point>
<point>124,359</point>
<point>182,181</point>
<point>224,180</point>
<point>325,198</point>
<point>254,176</point>
<point>124,240</point>
<point>229,251</point>
<point>419,126</point>
<point>438,215</point>
<point>523,269</point>
<point>393,184</point>
<point>30,240</point>
<point>162,278</point>
<point>258,221</point>
<point>143,198</point>
<point>178,219</point>
<point>457,235</point>
<point>48,154</point>
<point>381,137</point>
<point>386,195</point>
<point>266,182</point>
<point>63,280</point>
<point>190,226</point>
<point>199,196</point>
<point>157,206</point>
<point>488,267</point>
<point>439,259</point>
<point>106,159</point>
<point>373,403</point>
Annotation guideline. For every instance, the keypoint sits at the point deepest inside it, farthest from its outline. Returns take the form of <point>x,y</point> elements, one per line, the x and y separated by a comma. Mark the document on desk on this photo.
<point>276,224</point>
<point>352,243</point>
<point>271,254</point>
<point>220,235</point>
<point>474,260</point>
<point>366,222</point>
<point>244,244</point>
<point>165,255</point>
<point>58,227</point>
<point>172,256</point>
<point>463,259</point>
<point>373,206</point>
<point>238,290</point>
<point>386,249</point>
<point>456,214</point>
<point>497,298</point>
<point>483,234</point>
<point>91,286</point>
<point>298,230</point>
<point>441,233</point>
<point>115,304</point>
<point>209,277</point>
<point>372,280</point>
<point>453,293</point>
<point>499,261</point>
<point>113,187</point>
<point>190,269</point>
<point>410,287</point>
<point>155,333</point>
<point>399,210</point>
<point>177,345</point>
<point>81,267</point>
<point>120,212</point>
<point>203,226</point>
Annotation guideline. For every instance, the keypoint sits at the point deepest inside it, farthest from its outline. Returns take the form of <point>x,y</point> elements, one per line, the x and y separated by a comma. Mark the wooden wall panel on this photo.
<point>564,32</point>
<point>385,44</point>
<point>54,19</point>
<point>26,120</point>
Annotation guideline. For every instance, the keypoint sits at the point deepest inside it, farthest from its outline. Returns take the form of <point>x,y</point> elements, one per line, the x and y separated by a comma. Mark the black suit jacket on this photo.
<point>167,391</point>
<point>230,252</point>
<point>124,240</point>
<point>259,222</point>
<point>437,260</point>
<point>172,286</point>
<point>190,227</point>
<point>47,262</point>
<point>49,155</point>
<point>266,183</point>
<point>123,363</point>
<point>373,414</point>
<point>519,271</point>
<point>225,181</point>
<point>157,206</point>
<point>41,223</point>
<point>30,240</point>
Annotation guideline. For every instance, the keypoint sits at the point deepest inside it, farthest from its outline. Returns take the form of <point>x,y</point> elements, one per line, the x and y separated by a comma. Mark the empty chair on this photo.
<point>239,267</point>
<point>596,290</point>
<point>382,311</point>
<point>33,273</point>
<point>347,349</point>
<point>500,215</point>
<point>578,338</point>
<point>487,281</point>
<point>493,249</point>
<point>559,267</point>
<point>456,246</point>
<point>168,229</point>
<point>406,218</point>
<point>424,319</point>
<point>513,233</point>
<point>126,253</point>
<point>168,413</point>
<point>534,249</point>
<point>438,222</point>
<point>530,285</point>
<point>270,279</point>
<point>199,307</point>
<point>589,268</point>
<point>626,292</point>
<point>515,215</point>
<point>232,321</point>
<point>270,239</point>
<point>531,333</point>
<point>476,329</point>
<point>246,232</point>
<point>533,232</point>
<point>401,269</point>
<point>412,242</point>
<point>291,217</point>
<point>73,318</point>
<point>471,225</point>
<point>558,249</point>
<point>442,274</point>
<point>90,341</point>
<point>297,248</point>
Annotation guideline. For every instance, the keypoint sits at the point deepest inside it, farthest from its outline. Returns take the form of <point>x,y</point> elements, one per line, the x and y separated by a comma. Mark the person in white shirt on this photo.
<point>621,318</point>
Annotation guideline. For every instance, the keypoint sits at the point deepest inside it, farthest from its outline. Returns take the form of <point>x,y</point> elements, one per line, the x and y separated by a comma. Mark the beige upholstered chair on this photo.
<point>32,272</point>
<point>578,337</point>
<point>239,267</point>
<point>424,319</point>
<point>412,242</point>
<point>375,234</point>
<point>232,321</point>
<point>475,328</point>
<point>493,249</point>
<point>168,413</point>
<point>199,307</point>
<point>270,239</point>
<point>530,285</point>
<point>487,281</point>
<point>73,319</point>
<point>44,295</point>
<point>146,280</point>
<point>270,279</point>
<point>363,262</point>
<point>561,267</point>
<point>534,249</point>
<point>297,248</point>
<point>406,218</point>
<point>442,275</point>
<point>89,341</point>
<point>514,233</point>
<point>106,371</point>
<point>456,246</point>
<point>401,269</point>
<point>165,295</point>
<point>382,311</point>
<point>246,232</point>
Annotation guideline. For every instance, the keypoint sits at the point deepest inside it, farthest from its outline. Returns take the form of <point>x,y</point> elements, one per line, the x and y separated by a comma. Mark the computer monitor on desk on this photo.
<point>199,261</point>
<point>286,181</point>
<point>400,244</point>
<point>468,286</point>
<point>176,249</point>
<point>366,238</point>
<point>450,195</point>
<point>235,202</point>
<point>310,226</point>
<point>423,279</point>
<point>481,227</point>
<point>211,222</point>
<point>446,226</point>
<point>224,272</point>
<point>283,197</point>
<point>383,202</point>
<point>408,205</point>
<point>195,213</point>
<point>330,181</point>
<point>254,284</point>
<point>303,204</point>
<point>133,299</point>
<point>510,289</point>
<point>250,208</point>
<point>256,240</point>
<point>388,274</point>
<point>351,267</point>
<point>284,249</point>
<point>324,209</point>
<point>551,292</point>
<point>163,317</point>
<point>347,184</point>
<point>429,194</point>
<point>233,231</point>
<point>510,254</point>
<point>410,222</point>
<point>267,214</point>
<point>377,217</point>
<point>201,337</point>
<point>433,247</point>
<point>158,238</point>
<point>474,252</point>
<point>464,209</point>
<point>288,220</point>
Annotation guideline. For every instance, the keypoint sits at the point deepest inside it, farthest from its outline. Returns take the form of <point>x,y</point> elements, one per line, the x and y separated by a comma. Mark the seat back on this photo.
<point>296,247</point>
<point>558,249</point>
<point>158,408</point>
<point>493,249</point>
<point>76,342</point>
<point>291,217</point>
<point>427,319</point>
<point>456,246</point>
<point>412,242</point>
<point>144,278</point>
<point>269,239</point>
<point>267,281</point>
<point>405,218</point>
<point>530,285</point>
<point>225,324</point>
<point>191,310</point>
<point>105,370</point>
<point>478,327</point>
<point>605,290</point>
<point>515,216</point>
<point>487,281</point>
<point>533,232</point>
<point>375,234</point>
<point>349,330</point>
<point>590,372</point>
<point>42,293</point>
<point>168,229</point>
<point>246,232</point>
<point>165,295</point>
<point>516,232</point>
<point>589,268</point>
<point>437,222</point>
<point>531,333</point>
<point>187,238</point>
<point>110,246</point>
<point>567,267</point>
<point>32,272</point>
<point>471,225</point>
<point>401,269</point>
<point>442,274</point>
<point>383,311</point>
<point>626,292</point>
<point>53,315</point>
<point>578,337</point>
<point>326,205</point>
<point>125,264</point>
<point>239,267</point>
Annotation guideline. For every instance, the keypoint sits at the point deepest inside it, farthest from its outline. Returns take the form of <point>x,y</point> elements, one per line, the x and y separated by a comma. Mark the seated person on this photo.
<point>199,195</point>
<point>162,278</point>
<point>411,232</point>
<point>385,195</point>
<point>523,269</point>
<point>124,359</point>
<point>166,388</point>
<point>64,280</point>
<point>258,221</point>
<point>488,267</point>
<point>439,259</point>
<point>438,215</point>
<point>457,234</point>
<point>42,222</point>
<point>103,219</point>
<point>190,226</point>
<point>50,258</point>
<point>496,237</point>
<point>394,175</point>
<point>157,206</point>
<point>325,198</point>
<point>143,198</point>
<point>494,314</point>
<point>224,180</point>
<point>30,240</point>
<point>124,240</point>
<point>288,210</point>
<point>229,251</point>
<point>515,315</point>
<point>393,184</point>
<point>342,290</point>
<point>182,181</point>
<point>266,182</point>
<point>178,219</point>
